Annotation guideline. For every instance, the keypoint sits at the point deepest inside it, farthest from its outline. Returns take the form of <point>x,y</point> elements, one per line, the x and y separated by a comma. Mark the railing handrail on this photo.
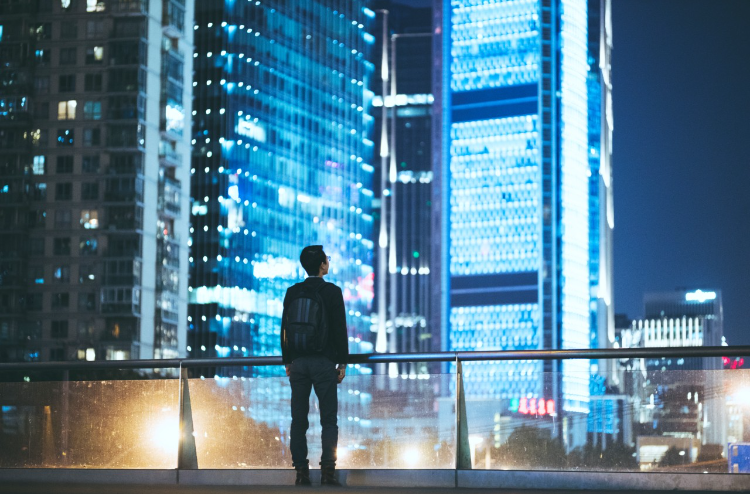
<point>378,358</point>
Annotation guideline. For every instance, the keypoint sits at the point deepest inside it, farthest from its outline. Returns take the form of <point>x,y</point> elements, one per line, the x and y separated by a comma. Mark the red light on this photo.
<point>742,361</point>
<point>550,407</point>
<point>532,406</point>
<point>725,360</point>
<point>541,408</point>
<point>523,406</point>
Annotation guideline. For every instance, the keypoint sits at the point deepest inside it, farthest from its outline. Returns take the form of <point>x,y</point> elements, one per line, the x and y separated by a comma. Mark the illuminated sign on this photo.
<point>700,296</point>
<point>251,130</point>
<point>532,406</point>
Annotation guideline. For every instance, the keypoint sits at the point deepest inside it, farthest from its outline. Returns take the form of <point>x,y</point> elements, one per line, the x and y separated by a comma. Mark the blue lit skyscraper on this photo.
<point>280,161</point>
<point>514,183</point>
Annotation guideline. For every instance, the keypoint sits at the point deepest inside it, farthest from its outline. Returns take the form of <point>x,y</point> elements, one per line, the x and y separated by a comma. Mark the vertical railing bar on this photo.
<point>180,420</point>
<point>458,420</point>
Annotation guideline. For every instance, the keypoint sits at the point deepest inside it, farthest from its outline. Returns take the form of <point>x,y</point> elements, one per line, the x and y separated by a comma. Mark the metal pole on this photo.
<point>381,340</point>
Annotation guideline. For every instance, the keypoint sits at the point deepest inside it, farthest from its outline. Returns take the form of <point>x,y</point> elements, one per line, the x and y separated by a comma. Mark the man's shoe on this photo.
<point>328,476</point>
<point>303,476</point>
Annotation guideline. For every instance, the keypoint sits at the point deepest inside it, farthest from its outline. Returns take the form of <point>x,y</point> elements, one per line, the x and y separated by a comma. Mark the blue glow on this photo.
<point>575,200</point>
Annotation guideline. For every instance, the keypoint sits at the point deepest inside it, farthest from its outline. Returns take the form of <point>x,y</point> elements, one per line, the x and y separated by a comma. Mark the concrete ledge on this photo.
<point>398,478</point>
<point>605,481</point>
<point>86,476</point>
<point>242,477</point>
<point>389,479</point>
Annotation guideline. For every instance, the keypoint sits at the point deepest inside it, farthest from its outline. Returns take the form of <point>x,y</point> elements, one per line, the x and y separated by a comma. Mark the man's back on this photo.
<point>337,346</point>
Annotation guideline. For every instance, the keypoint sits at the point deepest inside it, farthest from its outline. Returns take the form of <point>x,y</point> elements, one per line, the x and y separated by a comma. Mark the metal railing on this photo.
<point>187,452</point>
<point>384,358</point>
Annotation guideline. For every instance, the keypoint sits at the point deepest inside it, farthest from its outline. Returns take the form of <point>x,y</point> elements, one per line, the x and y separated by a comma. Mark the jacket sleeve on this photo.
<point>338,327</point>
<point>285,357</point>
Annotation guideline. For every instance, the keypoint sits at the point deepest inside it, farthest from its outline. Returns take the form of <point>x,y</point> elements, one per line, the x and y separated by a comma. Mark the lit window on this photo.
<point>94,5</point>
<point>92,110</point>
<point>38,165</point>
<point>66,110</point>
<point>90,219</point>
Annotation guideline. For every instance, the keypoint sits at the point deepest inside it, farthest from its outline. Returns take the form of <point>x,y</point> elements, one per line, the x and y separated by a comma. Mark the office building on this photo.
<point>402,109</point>
<point>682,398</point>
<point>281,159</point>
<point>94,170</point>
<point>522,190</point>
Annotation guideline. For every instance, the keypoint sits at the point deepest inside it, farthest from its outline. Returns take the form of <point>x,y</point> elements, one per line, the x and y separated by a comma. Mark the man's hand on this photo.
<point>341,368</point>
<point>288,369</point>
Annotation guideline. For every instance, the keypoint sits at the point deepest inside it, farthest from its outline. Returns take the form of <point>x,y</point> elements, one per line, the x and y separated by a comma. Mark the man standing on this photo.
<point>313,342</point>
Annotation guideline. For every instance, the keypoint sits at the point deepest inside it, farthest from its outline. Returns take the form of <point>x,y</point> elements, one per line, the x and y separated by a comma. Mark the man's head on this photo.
<point>314,260</point>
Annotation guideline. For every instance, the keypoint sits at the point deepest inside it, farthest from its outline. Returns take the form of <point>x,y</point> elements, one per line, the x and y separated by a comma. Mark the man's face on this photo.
<point>325,265</point>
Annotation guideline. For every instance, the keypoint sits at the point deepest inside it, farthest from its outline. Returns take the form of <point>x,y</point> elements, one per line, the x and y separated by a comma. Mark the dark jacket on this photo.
<point>338,341</point>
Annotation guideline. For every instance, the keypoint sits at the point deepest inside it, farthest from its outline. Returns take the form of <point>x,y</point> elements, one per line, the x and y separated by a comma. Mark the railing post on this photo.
<point>187,458</point>
<point>463,451</point>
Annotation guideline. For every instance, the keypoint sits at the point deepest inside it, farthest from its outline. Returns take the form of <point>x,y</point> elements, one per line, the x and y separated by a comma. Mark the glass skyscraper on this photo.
<point>281,159</point>
<point>518,175</point>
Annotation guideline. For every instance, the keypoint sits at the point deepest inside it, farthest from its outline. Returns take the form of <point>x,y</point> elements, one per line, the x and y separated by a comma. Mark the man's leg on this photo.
<point>325,379</point>
<point>301,384</point>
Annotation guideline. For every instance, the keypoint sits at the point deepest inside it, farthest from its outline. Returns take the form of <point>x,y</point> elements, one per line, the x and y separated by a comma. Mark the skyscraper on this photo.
<point>94,166</point>
<point>522,180</point>
<point>403,128</point>
<point>685,397</point>
<point>281,154</point>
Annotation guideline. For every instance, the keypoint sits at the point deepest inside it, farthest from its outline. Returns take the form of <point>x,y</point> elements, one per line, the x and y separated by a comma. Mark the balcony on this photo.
<point>405,420</point>
<point>168,156</point>
<point>169,197</point>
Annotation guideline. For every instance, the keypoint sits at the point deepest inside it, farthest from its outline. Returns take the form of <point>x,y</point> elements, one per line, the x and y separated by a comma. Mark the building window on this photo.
<point>86,273</point>
<point>92,110</point>
<point>62,274</point>
<point>39,138</point>
<point>88,246</point>
<point>93,82</point>
<point>64,191</point>
<point>39,192</point>
<point>37,218</point>
<point>90,219</point>
<point>69,30</point>
<point>95,6</point>
<point>90,164</point>
<point>68,56</point>
<point>42,56</point>
<point>94,29</point>
<point>67,83</point>
<point>62,218</point>
<point>65,137</point>
<point>64,165</point>
<point>57,354</point>
<point>38,165</point>
<point>36,246</point>
<point>41,84</point>
<point>59,329</point>
<point>66,110</point>
<point>61,246</point>
<point>86,302</point>
<point>89,191</point>
<point>94,55</point>
<point>34,301</point>
<point>60,300</point>
<point>91,137</point>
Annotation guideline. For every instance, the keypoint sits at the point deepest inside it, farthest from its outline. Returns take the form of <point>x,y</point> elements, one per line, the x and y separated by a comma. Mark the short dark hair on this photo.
<point>311,258</point>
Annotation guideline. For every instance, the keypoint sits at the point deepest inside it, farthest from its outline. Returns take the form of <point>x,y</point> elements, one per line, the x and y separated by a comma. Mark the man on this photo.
<point>313,342</point>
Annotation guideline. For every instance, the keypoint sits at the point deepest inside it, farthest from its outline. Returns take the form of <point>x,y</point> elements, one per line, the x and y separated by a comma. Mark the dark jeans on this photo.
<point>318,372</point>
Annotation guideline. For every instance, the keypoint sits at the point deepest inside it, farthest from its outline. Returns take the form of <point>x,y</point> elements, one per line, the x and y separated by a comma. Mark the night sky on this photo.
<point>681,89</point>
<point>681,164</point>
